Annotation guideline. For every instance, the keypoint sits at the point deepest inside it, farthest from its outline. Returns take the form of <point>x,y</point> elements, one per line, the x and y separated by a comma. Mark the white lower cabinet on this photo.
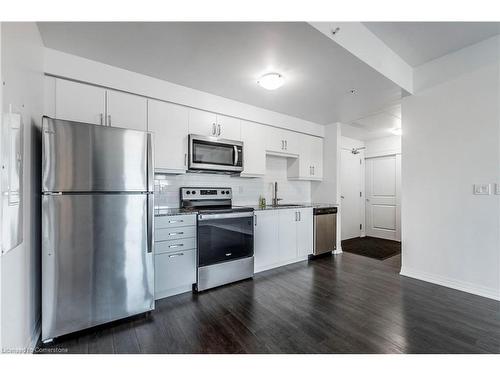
<point>282,236</point>
<point>175,254</point>
<point>174,272</point>
<point>266,239</point>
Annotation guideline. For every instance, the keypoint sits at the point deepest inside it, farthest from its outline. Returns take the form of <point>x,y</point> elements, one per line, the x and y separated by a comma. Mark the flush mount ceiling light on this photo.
<point>271,81</point>
<point>396,131</point>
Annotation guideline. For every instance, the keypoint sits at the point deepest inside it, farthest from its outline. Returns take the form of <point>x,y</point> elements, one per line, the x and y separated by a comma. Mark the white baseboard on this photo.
<point>452,283</point>
<point>338,251</point>
<point>35,335</point>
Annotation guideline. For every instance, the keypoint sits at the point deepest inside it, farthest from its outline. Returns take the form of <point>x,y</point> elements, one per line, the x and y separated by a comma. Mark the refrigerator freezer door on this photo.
<point>82,157</point>
<point>96,265</point>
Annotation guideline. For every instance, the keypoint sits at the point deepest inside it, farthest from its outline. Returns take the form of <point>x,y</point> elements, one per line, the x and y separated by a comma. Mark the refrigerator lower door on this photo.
<point>96,263</point>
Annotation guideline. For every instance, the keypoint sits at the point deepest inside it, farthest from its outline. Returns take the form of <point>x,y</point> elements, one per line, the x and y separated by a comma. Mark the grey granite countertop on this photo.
<point>296,205</point>
<point>173,211</point>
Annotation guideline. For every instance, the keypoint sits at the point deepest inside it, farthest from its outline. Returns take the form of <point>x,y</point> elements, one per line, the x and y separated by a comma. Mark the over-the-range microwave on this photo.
<point>212,154</point>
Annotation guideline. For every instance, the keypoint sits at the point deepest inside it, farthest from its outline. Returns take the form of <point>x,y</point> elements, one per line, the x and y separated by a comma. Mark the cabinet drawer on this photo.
<point>174,221</point>
<point>175,245</point>
<point>173,272</point>
<point>174,233</point>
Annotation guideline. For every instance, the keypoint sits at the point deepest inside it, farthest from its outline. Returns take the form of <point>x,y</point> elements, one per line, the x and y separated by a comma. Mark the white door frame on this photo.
<point>362,232</point>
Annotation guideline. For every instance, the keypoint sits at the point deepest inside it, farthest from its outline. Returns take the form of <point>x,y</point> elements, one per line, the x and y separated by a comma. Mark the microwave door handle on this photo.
<point>235,155</point>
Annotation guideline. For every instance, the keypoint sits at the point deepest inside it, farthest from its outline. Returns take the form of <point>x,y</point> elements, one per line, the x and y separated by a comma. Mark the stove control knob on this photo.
<point>223,192</point>
<point>193,192</point>
<point>188,192</point>
<point>227,192</point>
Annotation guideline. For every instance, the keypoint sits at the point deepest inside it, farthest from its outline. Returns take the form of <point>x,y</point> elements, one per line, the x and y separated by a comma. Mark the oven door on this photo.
<point>210,153</point>
<point>224,237</point>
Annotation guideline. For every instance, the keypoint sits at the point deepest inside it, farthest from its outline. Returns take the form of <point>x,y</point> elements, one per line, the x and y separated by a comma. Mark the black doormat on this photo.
<point>372,247</point>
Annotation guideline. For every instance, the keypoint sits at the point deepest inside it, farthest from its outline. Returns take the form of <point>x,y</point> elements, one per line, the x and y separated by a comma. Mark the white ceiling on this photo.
<point>420,42</point>
<point>376,125</point>
<point>227,58</point>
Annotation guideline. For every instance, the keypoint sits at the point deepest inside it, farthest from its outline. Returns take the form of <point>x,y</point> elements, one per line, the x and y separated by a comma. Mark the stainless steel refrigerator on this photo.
<point>97,225</point>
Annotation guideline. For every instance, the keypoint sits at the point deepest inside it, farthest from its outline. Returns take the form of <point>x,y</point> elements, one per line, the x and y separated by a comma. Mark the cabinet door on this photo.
<point>305,232</point>
<point>287,234</point>
<point>291,139</point>
<point>174,272</point>
<point>266,241</point>
<point>80,102</point>
<point>316,157</point>
<point>254,150</point>
<point>169,123</point>
<point>126,110</point>
<point>228,127</point>
<point>274,139</point>
<point>202,123</point>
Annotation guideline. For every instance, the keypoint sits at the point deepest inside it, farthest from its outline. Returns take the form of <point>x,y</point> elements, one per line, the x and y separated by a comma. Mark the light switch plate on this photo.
<point>482,189</point>
<point>497,188</point>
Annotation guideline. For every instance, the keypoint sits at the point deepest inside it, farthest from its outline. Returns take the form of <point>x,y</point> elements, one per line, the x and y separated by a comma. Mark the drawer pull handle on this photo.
<point>175,221</point>
<point>178,245</point>
<point>175,233</point>
<point>176,255</point>
<point>229,254</point>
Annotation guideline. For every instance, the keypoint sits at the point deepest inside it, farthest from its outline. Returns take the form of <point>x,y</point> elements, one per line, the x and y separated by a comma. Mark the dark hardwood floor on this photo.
<point>372,247</point>
<point>342,304</point>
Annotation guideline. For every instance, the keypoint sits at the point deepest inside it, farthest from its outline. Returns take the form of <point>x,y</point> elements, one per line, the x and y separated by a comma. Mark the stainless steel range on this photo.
<point>225,236</point>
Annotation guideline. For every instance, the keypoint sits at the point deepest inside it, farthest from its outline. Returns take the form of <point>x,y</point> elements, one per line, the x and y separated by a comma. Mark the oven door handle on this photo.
<point>204,217</point>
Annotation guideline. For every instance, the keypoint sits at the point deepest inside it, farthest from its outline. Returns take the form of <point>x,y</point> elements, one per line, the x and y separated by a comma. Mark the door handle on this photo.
<point>214,128</point>
<point>236,156</point>
<point>300,216</point>
<point>150,222</point>
<point>255,220</point>
<point>286,144</point>
<point>101,118</point>
<point>313,170</point>
<point>219,130</point>
<point>185,159</point>
<point>109,120</point>
<point>342,197</point>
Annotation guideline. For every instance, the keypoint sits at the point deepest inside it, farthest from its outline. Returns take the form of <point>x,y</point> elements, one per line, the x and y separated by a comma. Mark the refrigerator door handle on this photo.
<point>150,222</point>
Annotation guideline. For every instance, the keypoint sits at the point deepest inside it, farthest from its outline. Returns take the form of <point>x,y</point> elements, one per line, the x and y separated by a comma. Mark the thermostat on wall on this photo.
<point>482,189</point>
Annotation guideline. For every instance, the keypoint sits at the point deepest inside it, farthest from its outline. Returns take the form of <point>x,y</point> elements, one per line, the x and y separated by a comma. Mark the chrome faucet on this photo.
<point>275,195</point>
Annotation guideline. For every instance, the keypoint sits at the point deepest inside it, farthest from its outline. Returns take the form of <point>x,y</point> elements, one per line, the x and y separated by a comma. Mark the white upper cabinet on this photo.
<point>279,141</point>
<point>228,127</point>
<point>95,105</point>
<point>126,110</point>
<point>213,125</point>
<point>309,165</point>
<point>254,149</point>
<point>169,124</point>
<point>79,102</point>
<point>202,122</point>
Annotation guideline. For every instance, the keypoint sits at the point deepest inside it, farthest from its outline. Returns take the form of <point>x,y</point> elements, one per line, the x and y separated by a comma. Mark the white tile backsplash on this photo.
<point>246,191</point>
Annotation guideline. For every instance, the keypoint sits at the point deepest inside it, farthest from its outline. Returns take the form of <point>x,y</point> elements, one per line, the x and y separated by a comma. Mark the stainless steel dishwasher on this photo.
<point>325,229</point>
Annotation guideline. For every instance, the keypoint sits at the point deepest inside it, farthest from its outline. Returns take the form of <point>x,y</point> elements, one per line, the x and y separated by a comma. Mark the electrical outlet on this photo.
<point>482,189</point>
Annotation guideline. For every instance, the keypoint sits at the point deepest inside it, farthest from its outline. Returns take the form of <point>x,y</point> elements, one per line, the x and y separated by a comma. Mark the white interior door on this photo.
<point>383,186</point>
<point>350,187</point>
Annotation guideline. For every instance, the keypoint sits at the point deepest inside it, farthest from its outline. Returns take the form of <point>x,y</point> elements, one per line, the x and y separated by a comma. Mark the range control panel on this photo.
<point>189,193</point>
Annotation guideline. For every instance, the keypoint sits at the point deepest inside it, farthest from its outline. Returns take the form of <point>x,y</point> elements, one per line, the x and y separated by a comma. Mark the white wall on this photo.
<point>383,146</point>
<point>328,190</point>
<point>22,65</point>
<point>246,191</point>
<point>450,142</point>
